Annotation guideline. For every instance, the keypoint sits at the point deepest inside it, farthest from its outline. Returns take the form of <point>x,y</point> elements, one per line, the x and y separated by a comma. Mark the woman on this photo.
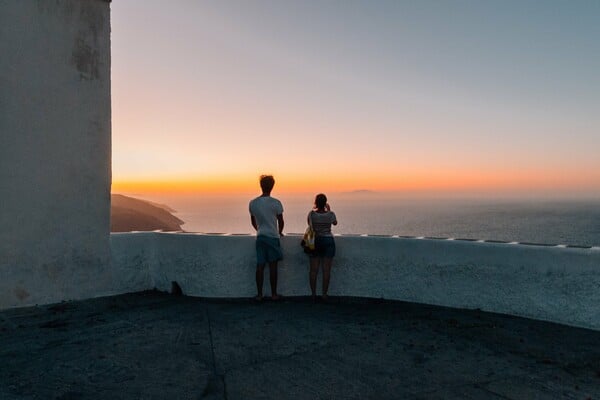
<point>321,219</point>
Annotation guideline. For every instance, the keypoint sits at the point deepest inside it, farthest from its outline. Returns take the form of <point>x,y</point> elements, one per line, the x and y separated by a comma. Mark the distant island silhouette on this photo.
<point>131,214</point>
<point>360,191</point>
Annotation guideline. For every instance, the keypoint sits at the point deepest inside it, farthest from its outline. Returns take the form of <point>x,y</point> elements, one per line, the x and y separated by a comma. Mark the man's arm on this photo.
<point>253,222</point>
<point>280,223</point>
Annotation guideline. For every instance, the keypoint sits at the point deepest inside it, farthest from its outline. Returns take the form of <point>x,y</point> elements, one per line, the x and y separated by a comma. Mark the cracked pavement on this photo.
<point>153,345</point>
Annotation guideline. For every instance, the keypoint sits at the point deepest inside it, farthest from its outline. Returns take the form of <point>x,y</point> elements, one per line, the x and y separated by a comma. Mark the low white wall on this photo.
<point>547,283</point>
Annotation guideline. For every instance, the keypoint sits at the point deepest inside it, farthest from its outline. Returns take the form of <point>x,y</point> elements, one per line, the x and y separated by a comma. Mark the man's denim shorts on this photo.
<point>268,249</point>
<point>324,247</point>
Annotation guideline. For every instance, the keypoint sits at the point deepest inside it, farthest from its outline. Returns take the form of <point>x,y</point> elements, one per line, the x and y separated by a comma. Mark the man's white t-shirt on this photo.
<point>265,210</point>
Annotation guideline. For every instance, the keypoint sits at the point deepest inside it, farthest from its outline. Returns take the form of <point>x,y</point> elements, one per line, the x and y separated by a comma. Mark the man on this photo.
<point>266,216</point>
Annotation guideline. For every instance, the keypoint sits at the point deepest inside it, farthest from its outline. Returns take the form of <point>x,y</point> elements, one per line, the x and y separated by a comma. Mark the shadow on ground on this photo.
<point>152,345</point>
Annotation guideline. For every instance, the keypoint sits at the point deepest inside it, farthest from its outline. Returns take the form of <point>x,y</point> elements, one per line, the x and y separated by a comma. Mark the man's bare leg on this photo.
<point>273,280</point>
<point>260,276</point>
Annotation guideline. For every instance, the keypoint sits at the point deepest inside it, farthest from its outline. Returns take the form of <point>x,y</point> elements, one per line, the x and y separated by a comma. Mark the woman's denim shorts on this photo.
<point>324,247</point>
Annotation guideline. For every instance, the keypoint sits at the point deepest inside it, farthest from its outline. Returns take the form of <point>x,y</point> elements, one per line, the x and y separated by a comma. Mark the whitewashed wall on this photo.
<point>54,150</point>
<point>548,283</point>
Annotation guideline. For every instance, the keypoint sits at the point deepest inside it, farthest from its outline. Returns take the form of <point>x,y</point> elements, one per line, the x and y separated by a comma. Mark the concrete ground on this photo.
<point>157,346</point>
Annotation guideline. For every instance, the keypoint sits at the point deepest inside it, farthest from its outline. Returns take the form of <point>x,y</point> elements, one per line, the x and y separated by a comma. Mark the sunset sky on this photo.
<point>416,96</point>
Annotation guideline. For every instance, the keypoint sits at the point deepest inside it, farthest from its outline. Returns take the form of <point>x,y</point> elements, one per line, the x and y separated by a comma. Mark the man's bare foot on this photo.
<point>258,298</point>
<point>275,297</point>
<point>325,297</point>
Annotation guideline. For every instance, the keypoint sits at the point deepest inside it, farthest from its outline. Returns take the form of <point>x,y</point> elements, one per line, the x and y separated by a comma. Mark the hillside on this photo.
<point>130,214</point>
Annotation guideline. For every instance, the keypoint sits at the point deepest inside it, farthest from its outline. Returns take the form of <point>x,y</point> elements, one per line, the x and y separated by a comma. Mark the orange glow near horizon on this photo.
<point>416,182</point>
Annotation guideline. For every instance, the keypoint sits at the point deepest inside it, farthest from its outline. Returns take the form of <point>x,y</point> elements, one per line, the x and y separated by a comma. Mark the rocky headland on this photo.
<point>131,214</point>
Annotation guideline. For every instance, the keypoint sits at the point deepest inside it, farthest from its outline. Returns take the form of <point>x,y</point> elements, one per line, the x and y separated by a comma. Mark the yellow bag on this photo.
<point>308,241</point>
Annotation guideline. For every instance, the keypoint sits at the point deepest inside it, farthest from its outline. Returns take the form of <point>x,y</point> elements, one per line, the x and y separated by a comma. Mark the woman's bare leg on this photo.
<point>314,269</point>
<point>326,275</point>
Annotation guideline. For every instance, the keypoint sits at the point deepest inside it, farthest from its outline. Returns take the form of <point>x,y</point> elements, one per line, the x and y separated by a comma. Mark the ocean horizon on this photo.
<point>534,220</point>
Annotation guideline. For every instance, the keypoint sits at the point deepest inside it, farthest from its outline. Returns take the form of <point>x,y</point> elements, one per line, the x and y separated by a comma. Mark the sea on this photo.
<point>573,222</point>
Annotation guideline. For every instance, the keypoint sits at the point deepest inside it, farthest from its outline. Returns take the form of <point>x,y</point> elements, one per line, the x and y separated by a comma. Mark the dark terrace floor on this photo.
<point>157,346</point>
